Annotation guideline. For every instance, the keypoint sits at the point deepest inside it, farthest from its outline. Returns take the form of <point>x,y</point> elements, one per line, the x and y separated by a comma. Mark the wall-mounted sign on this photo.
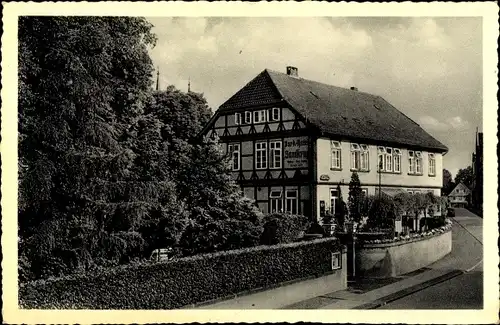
<point>296,152</point>
<point>324,177</point>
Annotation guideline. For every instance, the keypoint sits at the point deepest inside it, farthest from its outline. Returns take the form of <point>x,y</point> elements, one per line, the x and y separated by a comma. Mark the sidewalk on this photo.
<point>303,295</point>
<point>349,299</point>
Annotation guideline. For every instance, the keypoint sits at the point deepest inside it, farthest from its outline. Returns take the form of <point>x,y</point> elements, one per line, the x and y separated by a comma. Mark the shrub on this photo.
<point>283,228</point>
<point>315,228</point>
<point>451,213</point>
<point>433,223</point>
<point>219,235</point>
<point>185,281</point>
<point>382,213</point>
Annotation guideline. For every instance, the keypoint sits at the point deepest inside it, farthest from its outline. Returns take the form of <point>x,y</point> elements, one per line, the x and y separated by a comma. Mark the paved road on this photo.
<point>464,291</point>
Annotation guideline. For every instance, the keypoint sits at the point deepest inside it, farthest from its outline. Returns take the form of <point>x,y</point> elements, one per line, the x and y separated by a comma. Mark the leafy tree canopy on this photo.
<point>448,183</point>
<point>465,176</point>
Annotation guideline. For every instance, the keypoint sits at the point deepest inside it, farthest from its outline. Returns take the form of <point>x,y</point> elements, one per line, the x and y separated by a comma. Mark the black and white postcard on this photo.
<point>249,162</point>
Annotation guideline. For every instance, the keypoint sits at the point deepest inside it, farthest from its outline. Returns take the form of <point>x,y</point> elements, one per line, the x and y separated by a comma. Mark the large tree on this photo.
<point>448,183</point>
<point>465,176</point>
<point>82,83</point>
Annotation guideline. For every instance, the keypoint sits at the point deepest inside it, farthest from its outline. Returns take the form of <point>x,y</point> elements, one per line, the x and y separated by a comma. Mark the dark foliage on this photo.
<point>340,210</point>
<point>355,198</point>
<point>316,228</point>
<point>382,213</point>
<point>465,176</point>
<point>283,228</point>
<point>185,281</point>
<point>108,169</point>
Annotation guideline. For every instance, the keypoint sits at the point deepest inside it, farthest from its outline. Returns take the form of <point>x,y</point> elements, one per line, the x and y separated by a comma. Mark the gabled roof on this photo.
<point>333,110</point>
<point>460,186</point>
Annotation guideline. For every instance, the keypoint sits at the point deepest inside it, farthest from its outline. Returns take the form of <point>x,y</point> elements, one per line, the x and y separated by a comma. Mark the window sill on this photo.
<point>415,174</point>
<point>360,170</point>
<point>431,175</point>
<point>384,172</point>
<point>336,169</point>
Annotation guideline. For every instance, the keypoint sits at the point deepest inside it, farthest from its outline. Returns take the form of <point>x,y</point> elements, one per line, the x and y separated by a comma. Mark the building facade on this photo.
<point>477,170</point>
<point>459,197</point>
<point>294,142</point>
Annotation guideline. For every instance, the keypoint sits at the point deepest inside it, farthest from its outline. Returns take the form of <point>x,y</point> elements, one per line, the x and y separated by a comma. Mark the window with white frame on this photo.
<point>365,157</point>
<point>261,155</point>
<point>397,160</point>
<point>276,199</point>
<point>411,162</point>
<point>275,155</point>
<point>388,159</point>
<point>432,164</point>
<point>335,150</point>
<point>381,159</point>
<point>248,117</point>
<point>355,156</point>
<point>276,114</point>
<point>418,162</point>
<point>237,118</point>
<point>410,192</point>
<point>334,196</point>
<point>234,151</point>
<point>256,117</point>
<point>259,116</point>
<point>292,201</point>
<point>336,261</point>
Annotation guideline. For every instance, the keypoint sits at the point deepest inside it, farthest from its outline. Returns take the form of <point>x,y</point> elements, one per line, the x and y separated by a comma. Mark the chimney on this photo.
<point>292,71</point>
<point>354,88</point>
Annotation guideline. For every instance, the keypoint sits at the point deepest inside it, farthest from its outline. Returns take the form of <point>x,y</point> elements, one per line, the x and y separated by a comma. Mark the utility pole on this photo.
<point>379,179</point>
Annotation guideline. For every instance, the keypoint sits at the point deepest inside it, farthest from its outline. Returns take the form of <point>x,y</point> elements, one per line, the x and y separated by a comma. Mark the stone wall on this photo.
<point>394,258</point>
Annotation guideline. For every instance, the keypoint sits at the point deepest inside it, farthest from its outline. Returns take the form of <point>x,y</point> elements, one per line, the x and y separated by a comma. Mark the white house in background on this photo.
<point>458,197</point>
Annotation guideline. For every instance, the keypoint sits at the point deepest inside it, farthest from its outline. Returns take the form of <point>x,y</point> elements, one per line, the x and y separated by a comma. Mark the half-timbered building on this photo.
<point>293,141</point>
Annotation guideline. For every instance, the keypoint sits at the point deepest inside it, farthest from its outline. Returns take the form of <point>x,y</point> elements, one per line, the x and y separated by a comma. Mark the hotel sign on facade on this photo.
<point>296,152</point>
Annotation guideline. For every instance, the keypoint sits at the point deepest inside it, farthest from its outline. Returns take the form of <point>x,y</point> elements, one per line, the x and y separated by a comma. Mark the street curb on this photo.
<point>408,291</point>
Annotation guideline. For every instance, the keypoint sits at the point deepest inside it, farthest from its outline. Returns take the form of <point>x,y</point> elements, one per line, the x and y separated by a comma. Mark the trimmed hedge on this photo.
<point>182,282</point>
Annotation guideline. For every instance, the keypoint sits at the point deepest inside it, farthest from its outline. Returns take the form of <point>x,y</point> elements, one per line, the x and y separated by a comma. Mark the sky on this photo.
<point>428,68</point>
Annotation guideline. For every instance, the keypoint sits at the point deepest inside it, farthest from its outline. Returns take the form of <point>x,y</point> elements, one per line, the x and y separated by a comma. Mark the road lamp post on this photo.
<point>354,251</point>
